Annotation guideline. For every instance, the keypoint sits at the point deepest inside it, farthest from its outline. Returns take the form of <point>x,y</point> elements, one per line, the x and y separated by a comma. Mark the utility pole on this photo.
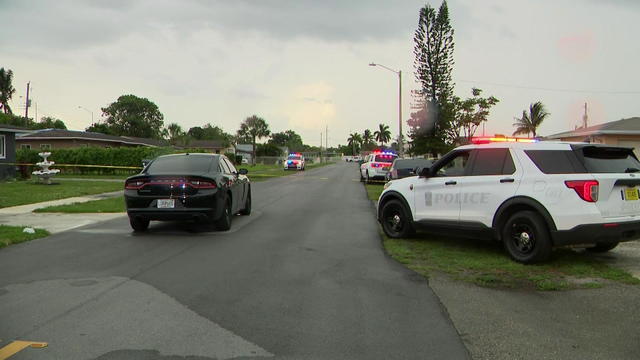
<point>26,108</point>
<point>326,137</point>
<point>585,117</point>
<point>400,142</point>
<point>320,146</point>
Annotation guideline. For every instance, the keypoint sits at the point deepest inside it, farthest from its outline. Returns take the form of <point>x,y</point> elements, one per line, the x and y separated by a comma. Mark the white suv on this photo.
<point>531,196</point>
<point>376,165</point>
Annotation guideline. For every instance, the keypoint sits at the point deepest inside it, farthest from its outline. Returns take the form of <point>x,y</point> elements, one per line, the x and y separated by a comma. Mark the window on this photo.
<point>224,167</point>
<point>230,165</point>
<point>493,162</point>
<point>45,146</point>
<point>600,159</point>
<point>180,164</point>
<point>555,161</point>
<point>25,146</point>
<point>453,166</point>
<point>3,147</point>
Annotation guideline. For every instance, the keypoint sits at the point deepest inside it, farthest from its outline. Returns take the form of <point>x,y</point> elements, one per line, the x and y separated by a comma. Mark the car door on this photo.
<point>437,195</point>
<point>493,178</point>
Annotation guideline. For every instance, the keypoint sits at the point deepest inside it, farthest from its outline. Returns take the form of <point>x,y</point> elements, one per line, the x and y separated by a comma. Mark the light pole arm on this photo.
<point>399,73</point>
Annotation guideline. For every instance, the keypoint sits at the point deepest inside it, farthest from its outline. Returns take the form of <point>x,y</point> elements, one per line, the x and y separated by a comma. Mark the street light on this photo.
<point>399,72</point>
<point>89,111</point>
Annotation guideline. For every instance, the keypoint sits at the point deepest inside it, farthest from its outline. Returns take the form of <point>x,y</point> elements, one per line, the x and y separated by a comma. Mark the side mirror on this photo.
<point>424,172</point>
<point>243,171</point>
<point>145,162</point>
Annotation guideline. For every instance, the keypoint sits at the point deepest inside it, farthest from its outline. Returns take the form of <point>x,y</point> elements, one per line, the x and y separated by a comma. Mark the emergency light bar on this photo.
<point>488,140</point>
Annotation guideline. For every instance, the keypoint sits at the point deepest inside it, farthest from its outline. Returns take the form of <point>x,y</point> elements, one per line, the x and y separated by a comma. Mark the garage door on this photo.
<point>634,144</point>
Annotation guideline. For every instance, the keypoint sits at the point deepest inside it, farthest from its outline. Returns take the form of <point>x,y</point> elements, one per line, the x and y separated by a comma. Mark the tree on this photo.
<point>268,149</point>
<point>48,122</point>
<point>210,132</point>
<point>433,52</point>
<point>133,116</point>
<point>383,135</point>
<point>100,128</point>
<point>6,90</point>
<point>529,122</point>
<point>354,141</point>
<point>367,139</point>
<point>175,133</point>
<point>288,138</point>
<point>469,115</point>
<point>253,128</point>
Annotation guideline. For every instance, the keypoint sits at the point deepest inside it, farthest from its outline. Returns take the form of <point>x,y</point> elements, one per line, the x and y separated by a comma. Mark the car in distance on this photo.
<point>376,165</point>
<point>294,161</point>
<point>205,187</point>
<point>532,196</point>
<point>401,168</point>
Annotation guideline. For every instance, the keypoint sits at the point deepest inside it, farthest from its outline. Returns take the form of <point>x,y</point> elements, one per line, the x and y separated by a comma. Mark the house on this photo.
<point>48,139</point>
<point>8,150</point>
<point>246,151</point>
<point>625,132</point>
<point>215,146</point>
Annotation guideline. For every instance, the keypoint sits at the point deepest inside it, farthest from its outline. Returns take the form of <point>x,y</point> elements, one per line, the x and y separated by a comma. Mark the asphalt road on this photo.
<point>303,277</point>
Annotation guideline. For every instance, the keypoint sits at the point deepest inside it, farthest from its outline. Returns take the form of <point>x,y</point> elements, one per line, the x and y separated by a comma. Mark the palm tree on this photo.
<point>175,133</point>
<point>383,135</point>
<point>529,122</point>
<point>253,128</point>
<point>6,89</point>
<point>367,137</point>
<point>354,140</point>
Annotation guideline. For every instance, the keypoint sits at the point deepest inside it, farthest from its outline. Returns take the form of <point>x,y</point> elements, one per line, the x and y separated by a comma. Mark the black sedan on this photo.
<point>205,187</point>
<point>402,168</point>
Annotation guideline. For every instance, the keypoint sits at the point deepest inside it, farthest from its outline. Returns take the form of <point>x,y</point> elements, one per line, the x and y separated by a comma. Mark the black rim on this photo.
<point>523,238</point>
<point>393,220</point>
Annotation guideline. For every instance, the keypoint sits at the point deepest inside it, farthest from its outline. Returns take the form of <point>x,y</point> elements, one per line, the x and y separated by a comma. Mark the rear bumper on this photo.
<point>597,233</point>
<point>172,214</point>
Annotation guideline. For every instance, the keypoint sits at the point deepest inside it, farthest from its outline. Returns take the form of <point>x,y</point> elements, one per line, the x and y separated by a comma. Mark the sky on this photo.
<point>303,64</point>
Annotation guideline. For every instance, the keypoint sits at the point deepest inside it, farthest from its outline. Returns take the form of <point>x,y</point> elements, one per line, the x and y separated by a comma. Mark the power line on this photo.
<point>631,92</point>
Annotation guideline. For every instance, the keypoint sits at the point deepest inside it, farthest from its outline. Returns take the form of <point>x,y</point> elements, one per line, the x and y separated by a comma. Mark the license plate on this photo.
<point>631,194</point>
<point>166,203</point>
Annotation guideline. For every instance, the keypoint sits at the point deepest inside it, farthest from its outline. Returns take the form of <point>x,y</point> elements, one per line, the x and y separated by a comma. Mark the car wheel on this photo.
<point>396,221</point>
<point>526,237</point>
<point>224,222</point>
<point>247,205</point>
<point>138,224</point>
<point>602,247</point>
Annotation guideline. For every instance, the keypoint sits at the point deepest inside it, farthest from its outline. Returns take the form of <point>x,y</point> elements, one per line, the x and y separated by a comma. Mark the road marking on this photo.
<point>17,346</point>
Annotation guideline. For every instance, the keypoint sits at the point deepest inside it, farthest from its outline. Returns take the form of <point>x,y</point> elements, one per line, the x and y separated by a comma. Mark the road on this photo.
<point>303,277</point>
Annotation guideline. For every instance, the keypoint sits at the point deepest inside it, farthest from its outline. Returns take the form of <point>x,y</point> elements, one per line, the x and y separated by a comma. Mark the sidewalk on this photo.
<point>56,222</point>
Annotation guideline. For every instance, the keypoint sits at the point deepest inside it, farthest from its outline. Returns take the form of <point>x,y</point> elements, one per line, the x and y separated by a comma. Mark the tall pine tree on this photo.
<point>433,64</point>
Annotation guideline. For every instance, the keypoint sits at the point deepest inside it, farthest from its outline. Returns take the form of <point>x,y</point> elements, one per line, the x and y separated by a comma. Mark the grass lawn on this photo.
<point>485,263</point>
<point>110,205</point>
<point>13,235</point>
<point>14,193</point>
<point>93,176</point>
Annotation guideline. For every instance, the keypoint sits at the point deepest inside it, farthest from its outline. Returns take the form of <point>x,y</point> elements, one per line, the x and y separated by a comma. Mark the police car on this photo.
<point>532,196</point>
<point>294,161</point>
<point>376,165</point>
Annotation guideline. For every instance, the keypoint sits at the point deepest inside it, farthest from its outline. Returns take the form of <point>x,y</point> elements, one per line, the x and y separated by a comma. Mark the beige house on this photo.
<point>625,132</point>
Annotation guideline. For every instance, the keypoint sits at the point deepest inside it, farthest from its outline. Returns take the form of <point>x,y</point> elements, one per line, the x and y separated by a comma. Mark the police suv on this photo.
<point>376,165</point>
<point>532,196</point>
<point>294,162</point>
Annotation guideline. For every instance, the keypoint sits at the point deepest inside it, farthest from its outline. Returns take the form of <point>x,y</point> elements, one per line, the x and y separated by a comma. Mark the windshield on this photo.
<point>294,157</point>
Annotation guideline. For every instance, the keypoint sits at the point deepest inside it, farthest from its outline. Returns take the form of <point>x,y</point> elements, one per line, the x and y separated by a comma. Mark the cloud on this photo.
<point>310,107</point>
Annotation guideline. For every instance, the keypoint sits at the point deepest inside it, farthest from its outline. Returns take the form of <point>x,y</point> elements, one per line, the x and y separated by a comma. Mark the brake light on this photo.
<point>199,184</point>
<point>134,184</point>
<point>586,189</point>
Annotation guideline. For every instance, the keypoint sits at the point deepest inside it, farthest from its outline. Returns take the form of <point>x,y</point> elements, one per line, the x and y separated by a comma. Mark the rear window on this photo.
<point>599,159</point>
<point>384,158</point>
<point>411,163</point>
<point>186,164</point>
<point>555,161</point>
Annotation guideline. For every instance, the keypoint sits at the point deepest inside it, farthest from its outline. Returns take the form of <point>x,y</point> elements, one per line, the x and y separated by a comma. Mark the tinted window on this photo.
<point>384,158</point>
<point>230,165</point>
<point>186,164</point>
<point>599,159</point>
<point>411,163</point>
<point>492,162</point>
<point>455,166</point>
<point>224,166</point>
<point>555,161</point>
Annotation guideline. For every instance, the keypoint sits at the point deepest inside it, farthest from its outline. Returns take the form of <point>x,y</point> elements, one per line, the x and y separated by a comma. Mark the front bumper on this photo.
<point>597,233</point>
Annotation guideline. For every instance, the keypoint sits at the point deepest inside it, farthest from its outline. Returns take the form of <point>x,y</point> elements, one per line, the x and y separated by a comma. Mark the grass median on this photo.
<point>486,264</point>
<point>13,193</point>
<point>15,234</point>
<point>110,205</point>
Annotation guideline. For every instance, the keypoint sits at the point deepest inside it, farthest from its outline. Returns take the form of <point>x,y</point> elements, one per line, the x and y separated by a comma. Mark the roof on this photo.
<point>244,148</point>
<point>49,134</point>
<point>630,126</point>
<point>13,129</point>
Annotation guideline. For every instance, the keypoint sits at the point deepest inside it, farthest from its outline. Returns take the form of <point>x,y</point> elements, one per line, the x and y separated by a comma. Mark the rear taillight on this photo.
<point>134,184</point>
<point>199,184</point>
<point>586,189</point>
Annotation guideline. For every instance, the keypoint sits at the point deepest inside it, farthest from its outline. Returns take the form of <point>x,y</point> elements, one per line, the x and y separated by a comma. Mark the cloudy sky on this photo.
<point>302,64</point>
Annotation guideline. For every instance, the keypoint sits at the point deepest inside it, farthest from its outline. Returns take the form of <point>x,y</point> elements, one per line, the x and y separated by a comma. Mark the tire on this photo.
<point>361,177</point>
<point>247,205</point>
<point>396,220</point>
<point>223,223</point>
<point>138,224</point>
<point>526,238</point>
<point>602,247</point>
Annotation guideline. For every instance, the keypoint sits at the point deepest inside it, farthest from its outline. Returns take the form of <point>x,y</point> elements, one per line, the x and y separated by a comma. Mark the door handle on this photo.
<point>507,180</point>
<point>450,182</point>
